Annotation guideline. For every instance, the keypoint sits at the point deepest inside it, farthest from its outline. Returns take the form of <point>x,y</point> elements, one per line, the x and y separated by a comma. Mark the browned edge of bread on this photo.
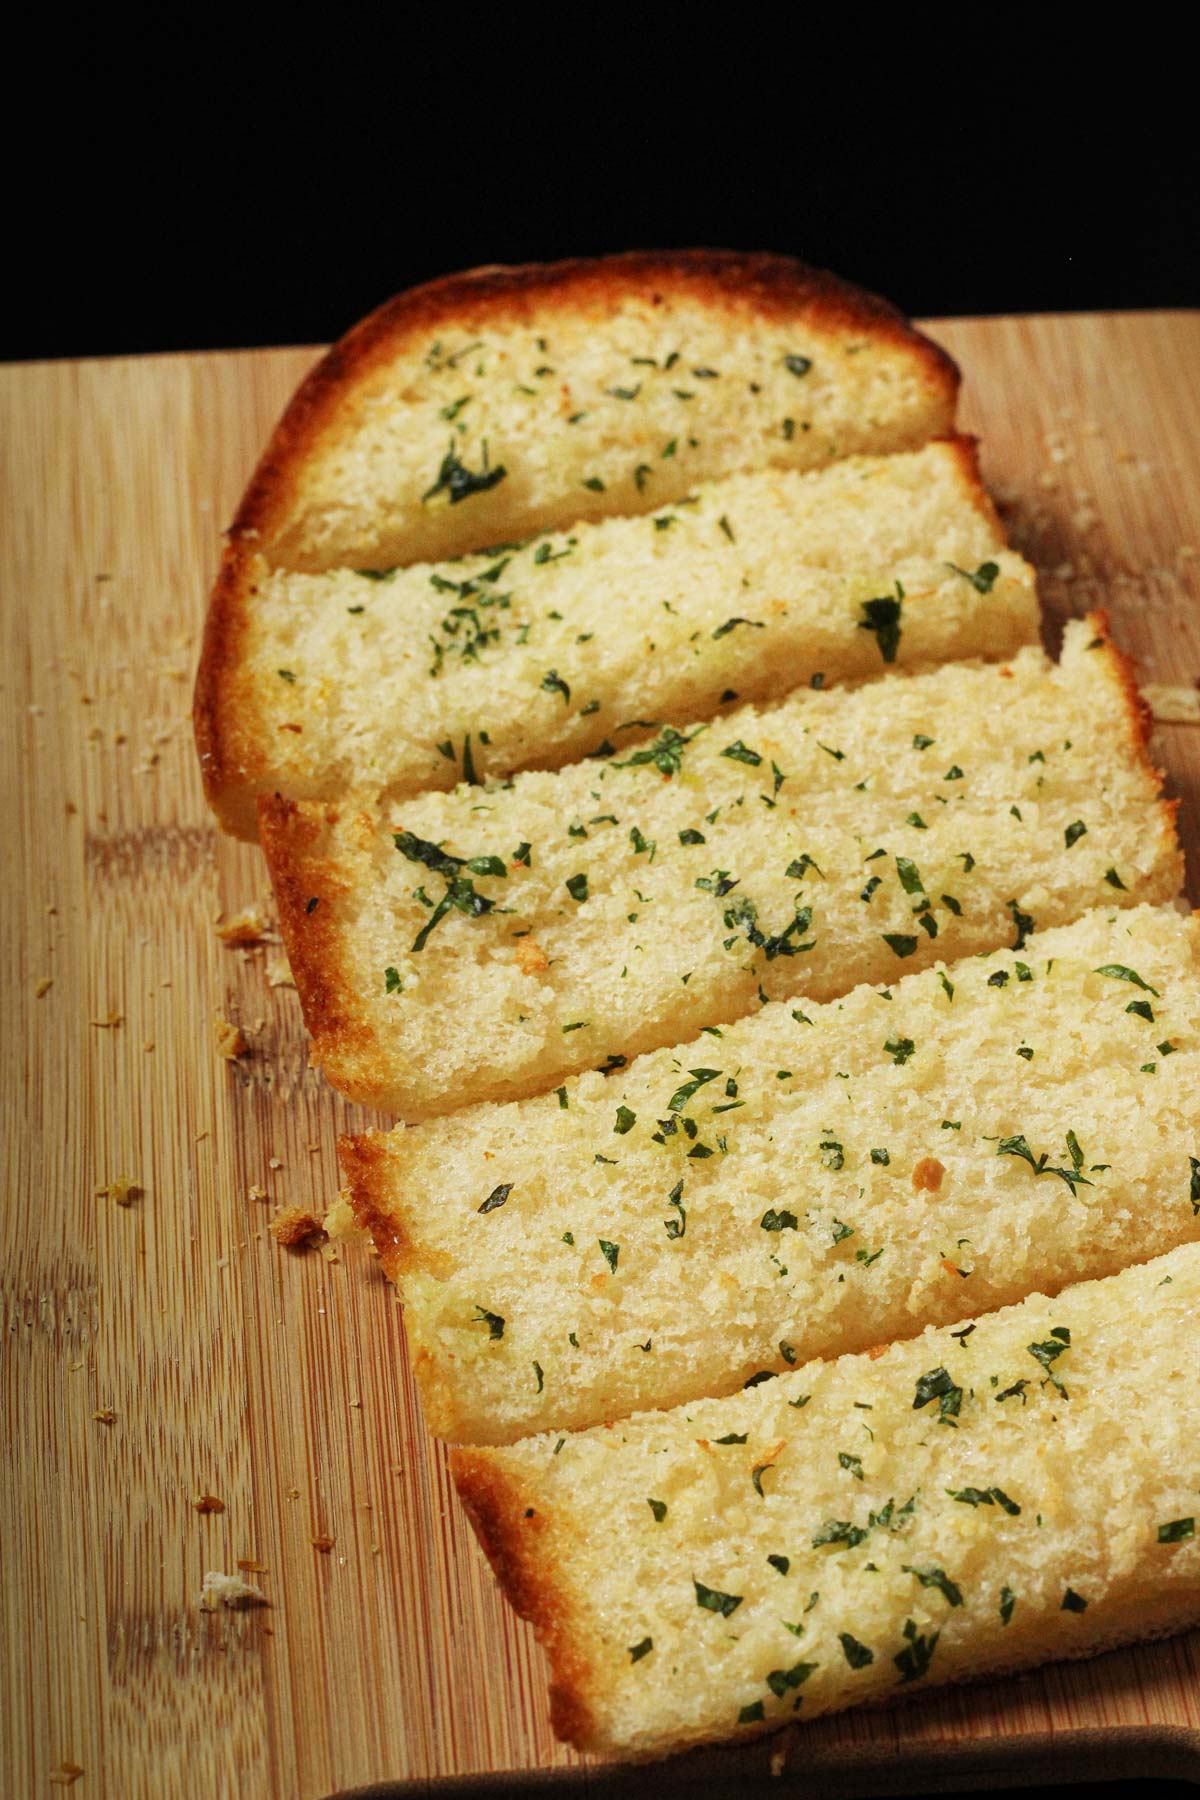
<point>509,1530</point>
<point>363,1161</point>
<point>220,736</point>
<point>1140,721</point>
<point>761,284</point>
<point>304,884</point>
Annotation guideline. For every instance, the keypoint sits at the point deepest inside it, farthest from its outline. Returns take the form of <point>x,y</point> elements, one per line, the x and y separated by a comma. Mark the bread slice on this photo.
<point>836,838</point>
<point>505,402</point>
<point>969,1502</point>
<point>806,1182</point>
<point>535,654</point>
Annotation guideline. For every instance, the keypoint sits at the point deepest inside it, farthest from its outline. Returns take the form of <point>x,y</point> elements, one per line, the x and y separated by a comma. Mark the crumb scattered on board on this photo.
<point>1173,705</point>
<point>323,1543</point>
<point>279,972</point>
<point>229,1590</point>
<point>341,1224</point>
<point>65,1774</point>
<point>123,1189</point>
<point>208,1503</point>
<point>294,1227</point>
<point>105,1416</point>
<point>228,1039</point>
<point>43,986</point>
<point>246,927</point>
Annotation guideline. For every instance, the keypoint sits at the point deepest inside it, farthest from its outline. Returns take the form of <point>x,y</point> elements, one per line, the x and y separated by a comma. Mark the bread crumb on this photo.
<point>279,972</point>
<point>228,1590</point>
<point>124,1190</point>
<point>274,1163</point>
<point>250,1565</point>
<point>254,1192</point>
<point>784,1746</point>
<point>208,1503</point>
<point>295,1227</point>
<point>105,1416</point>
<point>342,1225</point>
<point>111,1023</point>
<point>530,958</point>
<point>245,927</point>
<point>43,986</point>
<point>927,1175</point>
<point>1173,705</point>
<point>65,1774</point>
<point>228,1039</point>
<point>323,1543</point>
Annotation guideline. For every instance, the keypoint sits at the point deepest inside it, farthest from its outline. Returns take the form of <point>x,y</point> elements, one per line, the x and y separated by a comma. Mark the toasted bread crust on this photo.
<point>762,285</point>
<point>1140,724</point>
<point>226,756</point>
<point>363,1160</point>
<point>508,1532</point>
<point>301,881</point>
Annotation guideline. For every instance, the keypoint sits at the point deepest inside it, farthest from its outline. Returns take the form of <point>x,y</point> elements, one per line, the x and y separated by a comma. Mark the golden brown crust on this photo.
<point>220,744</point>
<point>509,1530</point>
<point>965,448</point>
<point>364,1162</point>
<point>1140,722</point>
<point>307,888</point>
<point>759,284</point>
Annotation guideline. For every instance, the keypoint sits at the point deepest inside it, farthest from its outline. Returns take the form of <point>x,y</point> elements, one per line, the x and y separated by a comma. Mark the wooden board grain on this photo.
<point>276,1382</point>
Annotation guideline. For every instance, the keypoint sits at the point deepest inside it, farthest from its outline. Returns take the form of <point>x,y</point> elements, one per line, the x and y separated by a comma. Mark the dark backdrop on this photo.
<point>200,194</point>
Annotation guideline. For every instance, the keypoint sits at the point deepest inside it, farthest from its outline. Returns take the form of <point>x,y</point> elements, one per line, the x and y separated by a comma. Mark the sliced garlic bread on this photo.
<point>482,944</point>
<point>505,402</point>
<point>976,1500</point>
<point>533,655</point>
<point>809,1181</point>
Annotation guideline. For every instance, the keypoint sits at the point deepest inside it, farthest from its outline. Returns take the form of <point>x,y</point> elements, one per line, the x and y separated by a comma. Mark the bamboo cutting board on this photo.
<point>167,1349</point>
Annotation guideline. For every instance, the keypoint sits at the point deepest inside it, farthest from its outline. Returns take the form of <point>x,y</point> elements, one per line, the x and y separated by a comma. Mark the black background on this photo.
<point>194,192</point>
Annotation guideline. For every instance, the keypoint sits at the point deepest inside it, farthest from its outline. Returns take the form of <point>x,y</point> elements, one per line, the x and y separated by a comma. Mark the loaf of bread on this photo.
<point>506,402</point>
<point>485,943</point>
<point>533,655</point>
<point>808,1181</point>
<point>979,1499</point>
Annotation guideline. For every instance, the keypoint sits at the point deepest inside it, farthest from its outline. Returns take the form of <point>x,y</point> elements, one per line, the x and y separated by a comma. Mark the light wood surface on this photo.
<point>278,1382</point>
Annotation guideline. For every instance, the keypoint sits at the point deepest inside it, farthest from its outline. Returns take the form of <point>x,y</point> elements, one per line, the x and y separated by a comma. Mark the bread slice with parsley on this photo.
<point>809,1181</point>
<point>508,401</point>
<point>981,1499</point>
<point>484,944</point>
<point>534,655</point>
